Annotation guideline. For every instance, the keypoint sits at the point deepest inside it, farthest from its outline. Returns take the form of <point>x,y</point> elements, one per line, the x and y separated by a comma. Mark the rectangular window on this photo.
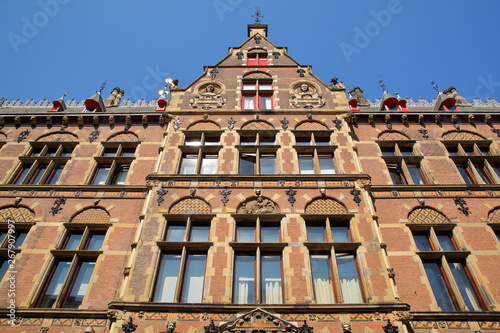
<point>167,278</point>
<point>415,174</point>
<point>244,279</point>
<point>248,162</point>
<point>271,285</point>
<point>54,287</point>
<point>245,233</point>
<point>80,285</point>
<point>465,286</point>
<point>208,164</point>
<point>340,234</point>
<point>464,172</point>
<point>326,164</point>
<point>249,102</point>
<point>322,279</point>
<point>266,103</point>
<point>316,233</point>
<point>306,164</point>
<point>188,164</point>
<point>192,289</point>
<point>267,164</point>
<point>349,279</point>
<point>101,174</point>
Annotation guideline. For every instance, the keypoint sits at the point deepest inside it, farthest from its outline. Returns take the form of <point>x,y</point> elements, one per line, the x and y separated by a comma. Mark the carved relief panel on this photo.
<point>209,96</point>
<point>306,96</point>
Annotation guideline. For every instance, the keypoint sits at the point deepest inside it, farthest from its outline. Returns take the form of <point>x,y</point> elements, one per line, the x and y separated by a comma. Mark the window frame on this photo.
<point>76,258</point>
<point>200,152</point>
<point>118,164</point>
<point>402,158</point>
<point>443,258</point>
<point>257,59</point>
<point>257,93</point>
<point>261,149</point>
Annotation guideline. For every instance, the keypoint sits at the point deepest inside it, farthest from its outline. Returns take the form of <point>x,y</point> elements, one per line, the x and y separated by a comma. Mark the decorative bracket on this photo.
<point>257,39</point>
<point>355,192</point>
<point>225,193</point>
<point>338,123</point>
<point>177,124</point>
<point>22,135</point>
<point>291,195</point>
<point>276,55</point>
<point>463,205</point>
<point>57,205</point>
<point>129,327</point>
<point>230,123</point>
<point>240,55</point>
<point>213,73</point>
<point>301,72</point>
<point>161,193</point>
<point>284,123</point>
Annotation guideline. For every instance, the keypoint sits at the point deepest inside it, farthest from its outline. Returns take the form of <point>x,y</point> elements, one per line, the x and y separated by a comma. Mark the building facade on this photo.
<point>256,199</point>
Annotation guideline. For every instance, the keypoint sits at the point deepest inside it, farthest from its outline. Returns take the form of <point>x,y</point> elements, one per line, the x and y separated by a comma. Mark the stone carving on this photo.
<point>259,205</point>
<point>403,316</point>
<point>306,96</point>
<point>208,97</point>
<point>171,326</point>
<point>261,319</point>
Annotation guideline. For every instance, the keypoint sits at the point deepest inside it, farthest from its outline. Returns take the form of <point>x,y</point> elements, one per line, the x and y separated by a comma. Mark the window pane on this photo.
<point>199,233</point>
<point>209,165</point>
<point>54,174</point>
<point>73,241</point>
<point>248,140</point>
<point>175,233</point>
<point>3,234</point>
<point>265,86</point>
<point>193,278</point>
<point>244,282</point>
<point>465,175</point>
<point>22,174</point>
<point>80,286</point>
<point>248,103</point>
<point>349,280</point>
<point>128,152</point>
<point>438,286</point>
<point>20,236</point>
<point>469,150</point>
<point>387,151</point>
<point>167,278</point>
<point>245,233</point>
<point>306,165</point>
<point>95,242</point>
<point>249,86</point>
<point>193,140</point>
<point>453,151</point>
<point>482,173</point>
<point>465,286</point>
<point>121,174</point>
<point>55,285</point>
<point>406,151</point>
<point>341,234</point>
<point>322,140</point>
<point>269,234</point>
<point>101,175</point>
<point>212,141</point>
<point>396,174</point>
<point>36,151</point>
<point>267,165</point>
<point>267,139</point>
<point>416,175</point>
<point>271,280</point>
<point>322,279</point>
<point>422,242</point>
<point>51,151</point>
<point>247,164</point>
<point>110,151</point>
<point>188,165</point>
<point>326,164</point>
<point>446,242</point>
<point>266,103</point>
<point>303,140</point>
<point>4,266</point>
<point>35,179</point>
<point>315,233</point>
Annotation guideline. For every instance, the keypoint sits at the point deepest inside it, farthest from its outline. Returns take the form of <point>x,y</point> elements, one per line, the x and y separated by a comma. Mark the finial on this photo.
<point>397,94</point>
<point>434,85</point>
<point>382,85</point>
<point>102,86</point>
<point>168,85</point>
<point>257,15</point>
<point>64,95</point>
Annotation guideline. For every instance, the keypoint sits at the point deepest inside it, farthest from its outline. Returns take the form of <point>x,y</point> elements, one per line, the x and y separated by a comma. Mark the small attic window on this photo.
<point>257,59</point>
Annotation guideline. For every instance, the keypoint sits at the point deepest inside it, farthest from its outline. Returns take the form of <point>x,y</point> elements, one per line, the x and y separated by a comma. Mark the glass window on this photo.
<point>271,280</point>
<point>306,164</point>
<point>446,242</point>
<point>438,285</point>
<point>192,290</point>
<point>73,241</point>
<point>244,282</point>
<point>465,286</point>
<point>340,234</point>
<point>247,163</point>
<point>322,279</point>
<point>4,266</point>
<point>316,234</point>
<point>167,278</point>
<point>422,242</point>
<point>416,175</point>
<point>269,234</point>
<point>248,102</point>
<point>465,174</point>
<point>396,174</point>
<point>121,174</point>
<point>54,287</point>
<point>326,164</point>
<point>21,175</point>
<point>349,280</point>
<point>266,103</point>
<point>268,164</point>
<point>245,233</point>
<point>199,233</point>
<point>101,175</point>
<point>188,164</point>
<point>175,233</point>
<point>95,241</point>
<point>80,286</point>
<point>208,164</point>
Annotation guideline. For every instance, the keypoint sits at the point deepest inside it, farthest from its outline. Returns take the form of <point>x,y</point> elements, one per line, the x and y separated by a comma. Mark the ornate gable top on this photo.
<point>259,320</point>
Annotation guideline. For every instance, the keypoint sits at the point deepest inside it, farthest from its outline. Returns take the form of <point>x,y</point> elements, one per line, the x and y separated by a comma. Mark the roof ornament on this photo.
<point>382,85</point>
<point>102,86</point>
<point>434,85</point>
<point>168,86</point>
<point>257,15</point>
<point>397,94</point>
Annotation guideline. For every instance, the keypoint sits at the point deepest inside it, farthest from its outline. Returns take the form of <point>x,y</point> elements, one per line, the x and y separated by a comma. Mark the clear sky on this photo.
<point>49,47</point>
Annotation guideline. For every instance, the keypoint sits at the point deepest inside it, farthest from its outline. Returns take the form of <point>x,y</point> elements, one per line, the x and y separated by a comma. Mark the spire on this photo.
<point>257,27</point>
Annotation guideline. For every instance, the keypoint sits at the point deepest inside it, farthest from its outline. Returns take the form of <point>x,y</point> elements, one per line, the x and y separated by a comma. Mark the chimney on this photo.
<point>357,94</point>
<point>451,91</point>
<point>115,97</point>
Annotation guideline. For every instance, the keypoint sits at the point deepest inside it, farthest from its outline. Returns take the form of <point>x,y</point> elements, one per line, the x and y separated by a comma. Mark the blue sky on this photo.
<point>50,47</point>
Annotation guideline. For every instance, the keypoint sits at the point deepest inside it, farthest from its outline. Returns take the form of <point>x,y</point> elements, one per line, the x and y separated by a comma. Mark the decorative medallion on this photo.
<point>306,96</point>
<point>208,97</point>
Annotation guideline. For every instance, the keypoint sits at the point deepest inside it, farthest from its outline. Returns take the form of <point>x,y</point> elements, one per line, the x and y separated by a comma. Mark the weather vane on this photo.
<point>382,85</point>
<point>102,86</point>
<point>434,85</point>
<point>257,15</point>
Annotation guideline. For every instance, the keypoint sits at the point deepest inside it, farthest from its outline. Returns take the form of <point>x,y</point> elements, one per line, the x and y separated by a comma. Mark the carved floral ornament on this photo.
<point>306,96</point>
<point>208,97</point>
